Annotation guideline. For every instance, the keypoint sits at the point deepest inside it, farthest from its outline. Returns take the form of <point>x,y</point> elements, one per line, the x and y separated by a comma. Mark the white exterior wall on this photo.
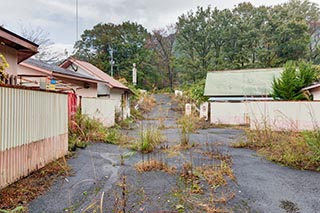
<point>87,92</point>
<point>229,113</point>
<point>116,95</point>
<point>103,89</point>
<point>277,115</point>
<point>99,108</point>
<point>316,94</point>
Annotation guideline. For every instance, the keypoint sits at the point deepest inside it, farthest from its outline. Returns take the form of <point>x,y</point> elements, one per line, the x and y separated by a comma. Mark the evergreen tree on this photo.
<point>294,77</point>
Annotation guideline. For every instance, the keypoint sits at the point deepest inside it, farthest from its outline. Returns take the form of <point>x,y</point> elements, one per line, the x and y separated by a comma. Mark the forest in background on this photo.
<point>204,40</point>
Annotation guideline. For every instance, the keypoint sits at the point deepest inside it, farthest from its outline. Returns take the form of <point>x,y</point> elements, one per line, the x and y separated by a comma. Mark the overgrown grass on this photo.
<point>150,137</point>
<point>187,124</point>
<point>147,102</point>
<point>84,129</point>
<point>298,150</point>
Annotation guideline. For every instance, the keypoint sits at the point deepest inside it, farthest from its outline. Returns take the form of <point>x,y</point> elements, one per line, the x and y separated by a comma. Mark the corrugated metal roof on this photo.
<point>57,69</point>
<point>95,71</point>
<point>250,82</point>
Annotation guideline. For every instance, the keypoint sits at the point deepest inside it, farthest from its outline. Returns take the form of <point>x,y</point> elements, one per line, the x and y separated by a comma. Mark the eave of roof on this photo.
<point>239,99</point>
<point>102,75</point>
<point>66,73</point>
<point>316,85</point>
<point>25,48</point>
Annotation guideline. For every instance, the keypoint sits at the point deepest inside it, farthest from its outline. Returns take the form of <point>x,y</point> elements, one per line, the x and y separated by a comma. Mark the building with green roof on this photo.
<point>241,85</point>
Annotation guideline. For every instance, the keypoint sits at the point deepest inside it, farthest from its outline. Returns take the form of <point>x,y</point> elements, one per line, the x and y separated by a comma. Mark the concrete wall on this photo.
<point>277,115</point>
<point>101,109</point>
<point>229,113</point>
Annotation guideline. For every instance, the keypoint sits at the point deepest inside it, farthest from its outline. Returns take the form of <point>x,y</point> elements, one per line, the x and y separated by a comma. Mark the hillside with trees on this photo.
<point>204,40</point>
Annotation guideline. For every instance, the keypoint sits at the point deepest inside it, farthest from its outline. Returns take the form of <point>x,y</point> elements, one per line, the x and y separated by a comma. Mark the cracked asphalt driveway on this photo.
<point>262,186</point>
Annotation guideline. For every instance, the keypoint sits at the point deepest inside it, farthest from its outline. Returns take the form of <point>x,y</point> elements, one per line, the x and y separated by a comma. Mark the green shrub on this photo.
<point>294,77</point>
<point>195,91</point>
<point>84,129</point>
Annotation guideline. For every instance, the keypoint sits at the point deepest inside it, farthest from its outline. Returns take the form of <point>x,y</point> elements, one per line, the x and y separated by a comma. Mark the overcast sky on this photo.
<point>57,17</point>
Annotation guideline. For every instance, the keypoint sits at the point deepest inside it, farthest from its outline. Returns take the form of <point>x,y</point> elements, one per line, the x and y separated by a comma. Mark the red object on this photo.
<point>72,106</point>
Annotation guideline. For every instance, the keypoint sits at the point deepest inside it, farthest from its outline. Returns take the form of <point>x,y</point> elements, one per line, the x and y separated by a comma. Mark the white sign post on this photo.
<point>204,110</point>
<point>188,109</point>
<point>134,75</point>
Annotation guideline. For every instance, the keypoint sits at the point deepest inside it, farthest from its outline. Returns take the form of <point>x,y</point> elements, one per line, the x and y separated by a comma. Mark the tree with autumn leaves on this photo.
<point>204,40</point>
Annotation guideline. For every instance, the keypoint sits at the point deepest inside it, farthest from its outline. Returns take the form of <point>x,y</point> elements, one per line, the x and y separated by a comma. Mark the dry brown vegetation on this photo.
<point>298,150</point>
<point>27,189</point>
<point>154,165</point>
<point>147,102</point>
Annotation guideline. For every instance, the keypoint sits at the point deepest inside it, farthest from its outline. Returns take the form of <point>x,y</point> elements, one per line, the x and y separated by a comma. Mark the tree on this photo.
<point>294,77</point>
<point>162,43</point>
<point>3,66</point>
<point>128,42</point>
<point>194,43</point>
<point>46,52</point>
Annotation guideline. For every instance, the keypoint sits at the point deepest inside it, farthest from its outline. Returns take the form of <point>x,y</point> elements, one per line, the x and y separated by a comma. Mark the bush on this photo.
<point>294,77</point>
<point>84,129</point>
<point>3,66</point>
<point>147,102</point>
<point>195,92</point>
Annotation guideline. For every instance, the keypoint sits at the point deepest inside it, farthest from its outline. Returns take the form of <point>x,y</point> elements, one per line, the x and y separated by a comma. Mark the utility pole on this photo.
<point>111,59</point>
<point>77,20</point>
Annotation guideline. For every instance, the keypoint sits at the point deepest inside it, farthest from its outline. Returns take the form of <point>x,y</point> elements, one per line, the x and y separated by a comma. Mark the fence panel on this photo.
<point>33,131</point>
<point>100,109</point>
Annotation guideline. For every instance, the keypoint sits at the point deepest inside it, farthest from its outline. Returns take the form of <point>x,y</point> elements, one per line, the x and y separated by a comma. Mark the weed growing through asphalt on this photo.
<point>205,180</point>
<point>154,165</point>
<point>150,137</point>
<point>187,124</point>
<point>147,102</point>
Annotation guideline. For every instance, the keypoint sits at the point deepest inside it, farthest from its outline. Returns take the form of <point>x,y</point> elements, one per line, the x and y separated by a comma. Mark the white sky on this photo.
<point>57,17</point>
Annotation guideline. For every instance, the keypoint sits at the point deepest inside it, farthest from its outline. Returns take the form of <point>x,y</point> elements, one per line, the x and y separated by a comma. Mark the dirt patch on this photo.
<point>289,206</point>
<point>27,189</point>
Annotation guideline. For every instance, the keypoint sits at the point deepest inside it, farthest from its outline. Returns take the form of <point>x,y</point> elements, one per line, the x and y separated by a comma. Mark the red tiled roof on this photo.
<point>96,72</point>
